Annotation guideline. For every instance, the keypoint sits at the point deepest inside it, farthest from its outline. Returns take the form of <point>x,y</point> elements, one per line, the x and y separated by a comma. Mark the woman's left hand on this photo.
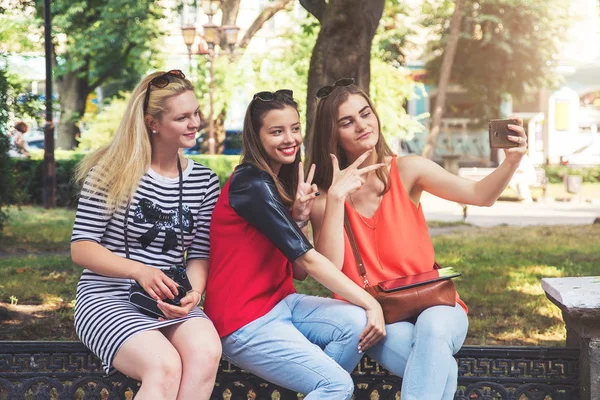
<point>515,154</point>
<point>191,300</point>
<point>306,192</point>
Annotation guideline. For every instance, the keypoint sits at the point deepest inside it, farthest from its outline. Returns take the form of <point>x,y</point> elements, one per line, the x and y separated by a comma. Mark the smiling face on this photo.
<point>179,122</point>
<point>358,129</point>
<point>280,136</point>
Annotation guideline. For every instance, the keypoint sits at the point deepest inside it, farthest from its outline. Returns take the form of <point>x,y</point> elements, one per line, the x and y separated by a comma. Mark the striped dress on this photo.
<point>104,318</point>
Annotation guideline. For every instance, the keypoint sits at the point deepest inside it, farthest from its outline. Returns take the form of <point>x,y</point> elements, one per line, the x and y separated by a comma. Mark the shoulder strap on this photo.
<point>354,245</point>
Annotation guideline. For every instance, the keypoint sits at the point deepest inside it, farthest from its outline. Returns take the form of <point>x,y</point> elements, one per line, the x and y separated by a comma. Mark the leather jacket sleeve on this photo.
<point>254,197</point>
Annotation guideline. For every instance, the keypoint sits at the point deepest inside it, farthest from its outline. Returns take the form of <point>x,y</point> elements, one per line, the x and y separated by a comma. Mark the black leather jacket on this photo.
<point>254,197</point>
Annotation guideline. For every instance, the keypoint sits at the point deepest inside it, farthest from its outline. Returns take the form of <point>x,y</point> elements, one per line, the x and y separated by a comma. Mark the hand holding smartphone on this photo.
<point>498,132</point>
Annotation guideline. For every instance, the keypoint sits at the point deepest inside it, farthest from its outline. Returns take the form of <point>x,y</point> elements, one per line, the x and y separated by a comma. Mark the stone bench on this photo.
<point>67,370</point>
<point>579,301</point>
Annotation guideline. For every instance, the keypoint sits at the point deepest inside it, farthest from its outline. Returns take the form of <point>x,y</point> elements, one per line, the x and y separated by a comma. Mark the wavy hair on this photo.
<point>115,169</point>
<point>254,153</point>
<point>324,138</point>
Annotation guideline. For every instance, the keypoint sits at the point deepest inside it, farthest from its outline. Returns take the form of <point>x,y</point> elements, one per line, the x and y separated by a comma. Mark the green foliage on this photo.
<point>392,38</point>
<point>114,38</point>
<point>505,46</point>
<point>6,179</point>
<point>222,165</point>
<point>100,127</point>
<point>15,25</point>
<point>556,173</point>
<point>28,175</point>
<point>391,87</point>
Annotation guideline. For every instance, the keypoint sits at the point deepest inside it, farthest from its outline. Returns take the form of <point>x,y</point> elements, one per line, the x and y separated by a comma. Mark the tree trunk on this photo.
<point>343,47</point>
<point>73,92</point>
<point>445,71</point>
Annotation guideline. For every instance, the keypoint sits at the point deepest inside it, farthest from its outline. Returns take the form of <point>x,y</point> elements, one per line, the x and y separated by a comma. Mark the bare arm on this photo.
<point>327,220</point>
<point>320,268</point>
<point>420,174</point>
<point>327,217</point>
<point>102,261</point>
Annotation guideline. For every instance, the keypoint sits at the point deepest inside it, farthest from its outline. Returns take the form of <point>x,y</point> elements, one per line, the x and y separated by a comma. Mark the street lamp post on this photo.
<point>212,37</point>
<point>188,29</point>
<point>49,162</point>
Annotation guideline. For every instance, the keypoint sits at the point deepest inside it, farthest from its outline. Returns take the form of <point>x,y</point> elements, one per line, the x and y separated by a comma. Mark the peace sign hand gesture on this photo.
<point>350,179</point>
<point>306,192</point>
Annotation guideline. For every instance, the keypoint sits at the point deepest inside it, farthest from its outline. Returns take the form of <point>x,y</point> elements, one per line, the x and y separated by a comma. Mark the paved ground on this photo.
<point>547,212</point>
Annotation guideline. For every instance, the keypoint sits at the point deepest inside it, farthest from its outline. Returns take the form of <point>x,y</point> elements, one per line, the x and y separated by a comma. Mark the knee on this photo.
<point>440,324</point>
<point>342,385</point>
<point>354,321</point>
<point>165,374</point>
<point>204,358</point>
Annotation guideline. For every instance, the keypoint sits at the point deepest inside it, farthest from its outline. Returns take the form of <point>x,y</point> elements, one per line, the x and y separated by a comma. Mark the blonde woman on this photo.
<point>142,206</point>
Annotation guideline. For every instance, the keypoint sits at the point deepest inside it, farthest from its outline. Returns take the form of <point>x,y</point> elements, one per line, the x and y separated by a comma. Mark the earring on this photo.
<point>154,131</point>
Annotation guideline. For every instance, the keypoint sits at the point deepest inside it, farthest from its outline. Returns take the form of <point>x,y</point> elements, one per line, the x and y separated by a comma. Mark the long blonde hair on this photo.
<point>115,170</point>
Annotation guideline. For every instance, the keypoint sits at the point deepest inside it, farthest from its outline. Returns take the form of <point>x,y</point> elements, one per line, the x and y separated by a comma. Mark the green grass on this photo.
<point>35,229</point>
<point>502,269</point>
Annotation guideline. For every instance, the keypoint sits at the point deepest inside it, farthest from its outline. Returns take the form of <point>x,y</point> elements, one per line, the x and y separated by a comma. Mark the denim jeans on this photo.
<point>422,353</point>
<point>307,344</point>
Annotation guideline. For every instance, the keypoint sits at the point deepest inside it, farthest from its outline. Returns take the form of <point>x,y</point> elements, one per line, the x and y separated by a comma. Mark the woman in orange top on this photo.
<point>384,210</point>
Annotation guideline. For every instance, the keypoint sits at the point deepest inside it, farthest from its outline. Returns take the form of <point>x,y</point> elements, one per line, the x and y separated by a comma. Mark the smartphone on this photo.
<point>418,279</point>
<point>498,132</point>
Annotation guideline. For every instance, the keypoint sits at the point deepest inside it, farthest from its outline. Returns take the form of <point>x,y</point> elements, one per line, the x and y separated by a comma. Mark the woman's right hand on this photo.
<point>158,285</point>
<point>350,179</point>
<point>375,330</point>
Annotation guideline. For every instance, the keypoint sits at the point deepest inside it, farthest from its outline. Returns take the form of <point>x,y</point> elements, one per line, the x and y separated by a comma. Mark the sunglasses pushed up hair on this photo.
<point>162,81</point>
<point>270,96</point>
<point>327,90</point>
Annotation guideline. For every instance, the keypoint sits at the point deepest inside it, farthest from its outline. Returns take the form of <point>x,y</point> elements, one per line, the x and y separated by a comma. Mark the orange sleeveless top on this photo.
<point>394,242</point>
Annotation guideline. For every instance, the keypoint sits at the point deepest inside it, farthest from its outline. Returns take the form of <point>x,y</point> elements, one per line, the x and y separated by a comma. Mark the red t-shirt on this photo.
<point>253,242</point>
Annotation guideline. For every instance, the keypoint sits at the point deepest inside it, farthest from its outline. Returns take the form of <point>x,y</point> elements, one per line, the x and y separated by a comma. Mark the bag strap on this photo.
<point>126,218</point>
<point>359,262</point>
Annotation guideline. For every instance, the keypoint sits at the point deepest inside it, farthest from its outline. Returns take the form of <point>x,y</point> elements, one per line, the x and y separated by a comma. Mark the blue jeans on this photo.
<point>307,344</point>
<point>422,353</point>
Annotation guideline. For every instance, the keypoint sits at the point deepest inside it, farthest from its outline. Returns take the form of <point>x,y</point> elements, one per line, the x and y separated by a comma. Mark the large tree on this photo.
<point>503,47</point>
<point>95,41</point>
<point>343,47</point>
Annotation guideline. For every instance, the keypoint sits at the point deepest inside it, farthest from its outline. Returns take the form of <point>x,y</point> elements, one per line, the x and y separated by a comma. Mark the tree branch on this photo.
<point>111,70</point>
<point>266,14</point>
<point>315,7</point>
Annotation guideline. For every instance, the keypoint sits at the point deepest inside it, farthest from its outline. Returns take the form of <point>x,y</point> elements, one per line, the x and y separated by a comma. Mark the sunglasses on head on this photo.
<point>327,90</point>
<point>162,81</point>
<point>270,96</point>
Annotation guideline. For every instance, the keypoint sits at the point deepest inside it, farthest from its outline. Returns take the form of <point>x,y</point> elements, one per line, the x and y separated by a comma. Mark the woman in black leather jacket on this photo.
<point>258,244</point>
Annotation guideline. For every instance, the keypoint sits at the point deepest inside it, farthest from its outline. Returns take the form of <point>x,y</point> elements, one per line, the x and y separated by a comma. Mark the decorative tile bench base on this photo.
<point>67,370</point>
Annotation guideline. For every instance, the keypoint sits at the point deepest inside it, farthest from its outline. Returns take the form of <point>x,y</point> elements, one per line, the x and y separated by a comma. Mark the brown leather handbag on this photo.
<point>404,298</point>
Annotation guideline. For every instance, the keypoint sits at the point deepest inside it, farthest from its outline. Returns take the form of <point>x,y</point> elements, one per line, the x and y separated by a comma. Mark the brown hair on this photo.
<point>21,126</point>
<point>324,138</point>
<point>254,153</point>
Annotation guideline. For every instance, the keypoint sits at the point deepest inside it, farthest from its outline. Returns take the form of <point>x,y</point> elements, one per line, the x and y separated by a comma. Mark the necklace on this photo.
<point>375,216</point>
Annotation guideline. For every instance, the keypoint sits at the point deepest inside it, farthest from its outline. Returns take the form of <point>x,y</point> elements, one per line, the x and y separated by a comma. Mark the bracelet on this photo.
<point>199,294</point>
<point>302,224</point>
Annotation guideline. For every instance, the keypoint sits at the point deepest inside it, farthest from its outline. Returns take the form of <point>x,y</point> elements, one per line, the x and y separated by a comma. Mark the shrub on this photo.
<point>28,175</point>
<point>556,173</point>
